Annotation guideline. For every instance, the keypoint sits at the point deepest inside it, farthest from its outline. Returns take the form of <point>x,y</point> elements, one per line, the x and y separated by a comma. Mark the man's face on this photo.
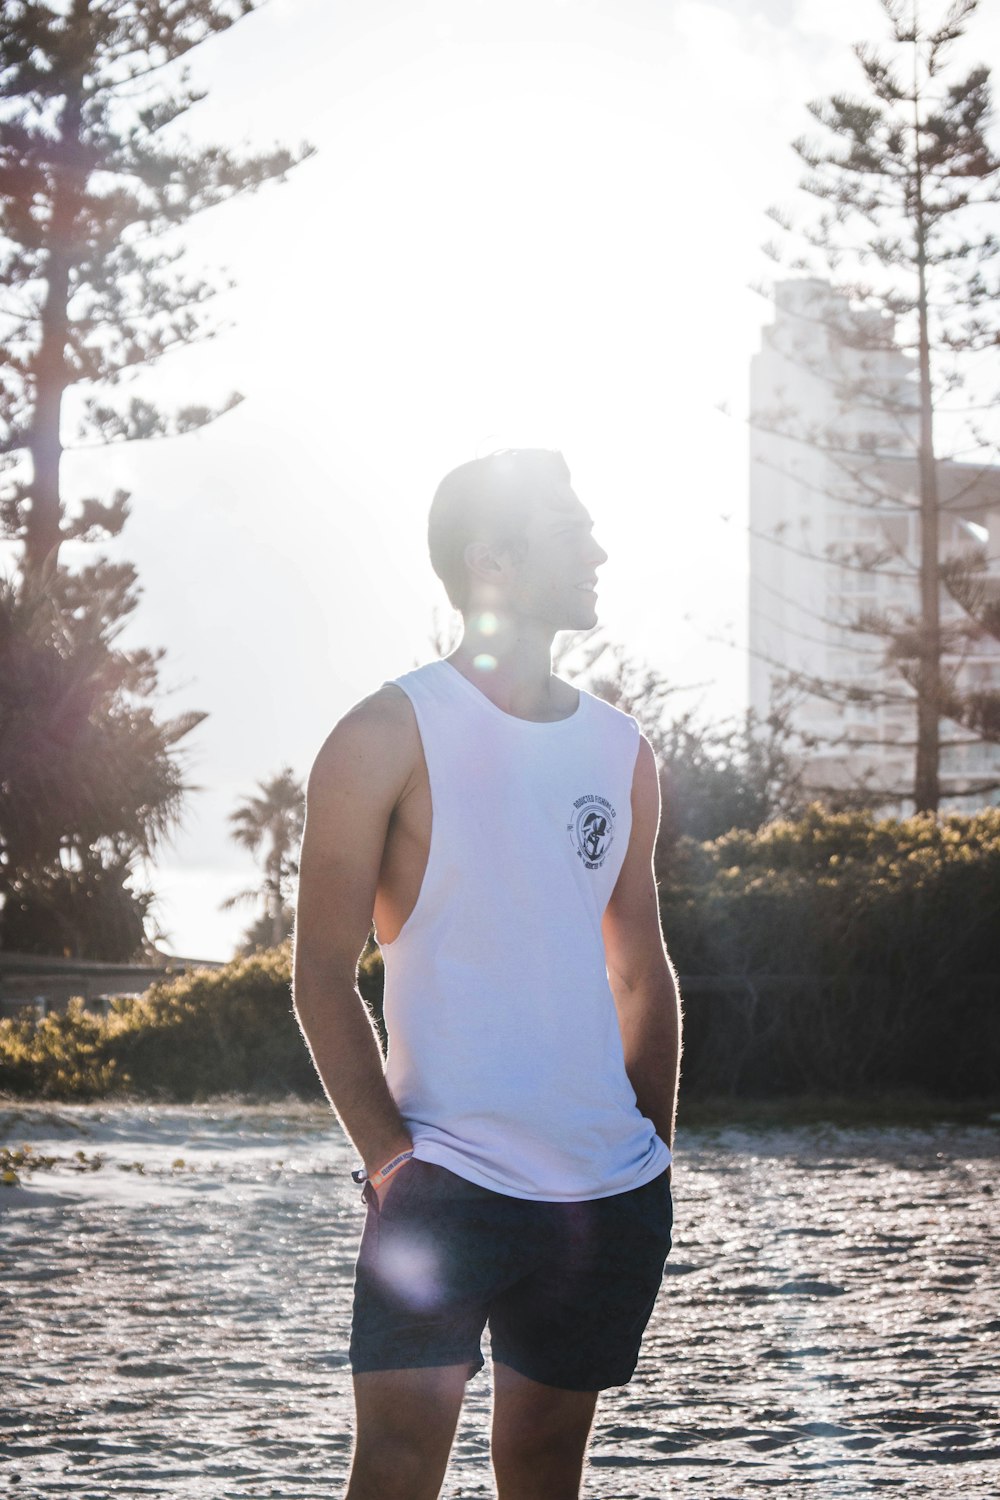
<point>555,575</point>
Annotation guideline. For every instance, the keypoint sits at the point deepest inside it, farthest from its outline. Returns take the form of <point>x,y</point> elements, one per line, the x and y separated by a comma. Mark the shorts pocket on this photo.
<point>401,1185</point>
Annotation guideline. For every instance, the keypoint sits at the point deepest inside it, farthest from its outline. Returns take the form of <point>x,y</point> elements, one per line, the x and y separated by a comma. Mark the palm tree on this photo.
<point>270,825</point>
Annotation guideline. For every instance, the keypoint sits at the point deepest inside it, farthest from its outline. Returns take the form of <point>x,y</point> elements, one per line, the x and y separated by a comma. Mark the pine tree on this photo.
<point>89,778</point>
<point>894,305</point>
<point>94,177</point>
<point>96,184</point>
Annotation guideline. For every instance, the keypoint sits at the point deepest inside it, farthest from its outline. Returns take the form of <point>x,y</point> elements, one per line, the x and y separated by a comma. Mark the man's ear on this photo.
<point>485,562</point>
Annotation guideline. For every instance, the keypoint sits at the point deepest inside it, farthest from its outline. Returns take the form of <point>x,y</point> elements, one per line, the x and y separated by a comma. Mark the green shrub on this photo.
<point>216,1031</point>
<point>66,1055</point>
<point>868,949</point>
<point>209,1032</point>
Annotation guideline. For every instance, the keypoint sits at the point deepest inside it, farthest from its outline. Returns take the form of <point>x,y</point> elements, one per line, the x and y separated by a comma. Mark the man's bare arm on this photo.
<point>642,978</point>
<point>359,775</point>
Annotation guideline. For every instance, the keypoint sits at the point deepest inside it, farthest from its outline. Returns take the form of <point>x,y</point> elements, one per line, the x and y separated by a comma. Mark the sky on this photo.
<point>525,222</point>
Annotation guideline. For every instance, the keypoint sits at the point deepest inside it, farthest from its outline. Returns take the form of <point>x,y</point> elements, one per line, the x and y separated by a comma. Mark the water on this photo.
<point>828,1324</point>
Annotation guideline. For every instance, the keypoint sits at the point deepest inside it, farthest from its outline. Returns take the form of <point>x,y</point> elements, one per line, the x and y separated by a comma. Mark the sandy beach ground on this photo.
<point>175,1320</point>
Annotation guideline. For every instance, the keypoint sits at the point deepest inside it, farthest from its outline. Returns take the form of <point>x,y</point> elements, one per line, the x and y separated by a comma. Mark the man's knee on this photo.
<point>538,1433</point>
<point>399,1467</point>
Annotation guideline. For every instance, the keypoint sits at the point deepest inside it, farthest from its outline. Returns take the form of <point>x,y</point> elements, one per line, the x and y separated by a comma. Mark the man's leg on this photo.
<point>539,1437</point>
<point>406,1422</point>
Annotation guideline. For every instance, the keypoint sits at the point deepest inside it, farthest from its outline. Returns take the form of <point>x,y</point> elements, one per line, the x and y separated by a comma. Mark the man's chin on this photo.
<point>583,619</point>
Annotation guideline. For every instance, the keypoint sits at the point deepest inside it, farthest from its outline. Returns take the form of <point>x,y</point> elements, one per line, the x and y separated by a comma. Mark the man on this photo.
<point>499,826</point>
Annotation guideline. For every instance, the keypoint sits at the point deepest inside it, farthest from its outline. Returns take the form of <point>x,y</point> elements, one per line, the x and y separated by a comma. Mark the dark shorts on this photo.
<point>566,1288</point>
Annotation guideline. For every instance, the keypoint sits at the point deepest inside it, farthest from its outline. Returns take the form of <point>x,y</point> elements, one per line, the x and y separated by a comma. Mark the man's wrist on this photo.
<point>388,1169</point>
<point>375,1151</point>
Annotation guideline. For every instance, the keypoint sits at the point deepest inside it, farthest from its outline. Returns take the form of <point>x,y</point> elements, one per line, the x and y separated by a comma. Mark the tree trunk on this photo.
<point>43,530</point>
<point>926,788</point>
<point>276,865</point>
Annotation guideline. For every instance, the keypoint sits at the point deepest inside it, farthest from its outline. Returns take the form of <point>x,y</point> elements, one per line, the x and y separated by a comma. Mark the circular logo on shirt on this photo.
<point>592,830</point>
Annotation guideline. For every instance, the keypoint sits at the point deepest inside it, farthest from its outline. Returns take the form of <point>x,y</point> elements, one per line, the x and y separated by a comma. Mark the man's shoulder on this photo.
<point>387,707</point>
<point>376,733</point>
<point>611,714</point>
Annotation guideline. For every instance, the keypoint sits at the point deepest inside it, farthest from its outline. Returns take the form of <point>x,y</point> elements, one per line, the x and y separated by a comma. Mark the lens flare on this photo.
<point>484,662</point>
<point>409,1266</point>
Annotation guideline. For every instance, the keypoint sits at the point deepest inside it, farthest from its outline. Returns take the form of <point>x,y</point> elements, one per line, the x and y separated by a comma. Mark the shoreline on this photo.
<point>903,1107</point>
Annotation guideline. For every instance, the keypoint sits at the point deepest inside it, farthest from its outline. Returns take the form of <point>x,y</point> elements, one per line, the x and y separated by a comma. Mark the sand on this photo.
<point>176,1320</point>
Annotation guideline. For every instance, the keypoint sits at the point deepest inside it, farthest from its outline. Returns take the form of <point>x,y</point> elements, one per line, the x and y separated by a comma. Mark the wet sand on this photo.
<point>176,1322</point>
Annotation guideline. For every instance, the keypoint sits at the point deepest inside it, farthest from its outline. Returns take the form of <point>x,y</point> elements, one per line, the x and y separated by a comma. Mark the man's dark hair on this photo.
<point>488,500</point>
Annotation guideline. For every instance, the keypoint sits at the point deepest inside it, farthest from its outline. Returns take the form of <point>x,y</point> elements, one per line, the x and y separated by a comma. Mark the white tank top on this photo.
<point>505,1056</point>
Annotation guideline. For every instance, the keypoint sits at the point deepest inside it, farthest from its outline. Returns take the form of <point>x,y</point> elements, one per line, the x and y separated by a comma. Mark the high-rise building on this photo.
<point>835,532</point>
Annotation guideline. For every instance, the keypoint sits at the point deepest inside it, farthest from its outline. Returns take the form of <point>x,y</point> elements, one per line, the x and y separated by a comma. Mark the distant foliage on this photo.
<point>270,825</point>
<point>91,779</point>
<point>908,898</point>
<point>834,954</point>
<point>67,1055</point>
<point>214,1031</point>
<point>217,1031</point>
<point>210,1032</point>
<point>866,953</point>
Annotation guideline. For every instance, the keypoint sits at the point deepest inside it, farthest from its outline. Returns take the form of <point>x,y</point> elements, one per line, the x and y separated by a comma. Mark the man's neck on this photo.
<point>510,661</point>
